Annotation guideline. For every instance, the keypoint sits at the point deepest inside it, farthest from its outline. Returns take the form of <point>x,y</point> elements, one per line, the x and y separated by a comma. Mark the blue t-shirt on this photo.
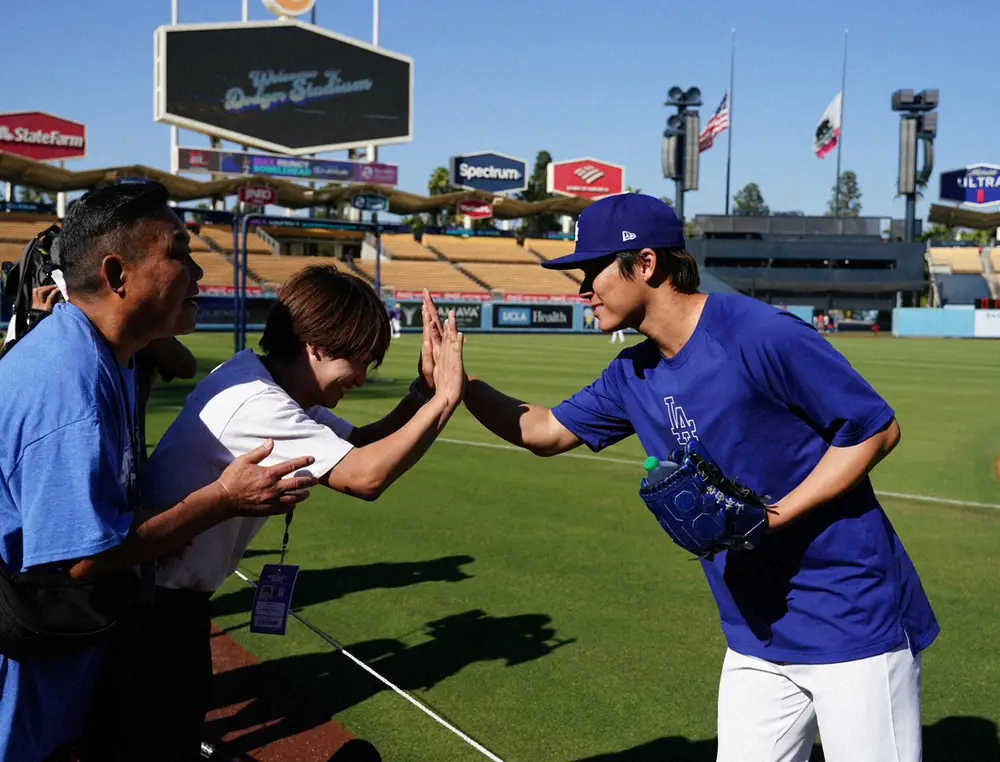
<point>767,396</point>
<point>65,462</point>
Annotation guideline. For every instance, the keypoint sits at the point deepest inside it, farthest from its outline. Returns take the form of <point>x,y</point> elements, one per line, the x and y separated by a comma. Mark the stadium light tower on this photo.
<point>918,124</point>
<point>680,154</point>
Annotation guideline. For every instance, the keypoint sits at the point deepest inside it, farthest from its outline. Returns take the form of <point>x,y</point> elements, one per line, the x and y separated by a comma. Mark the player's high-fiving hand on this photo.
<point>433,332</point>
<point>449,364</point>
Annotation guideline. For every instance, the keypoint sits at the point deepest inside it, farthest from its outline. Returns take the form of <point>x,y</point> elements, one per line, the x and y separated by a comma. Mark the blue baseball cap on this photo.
<point>625,222</point>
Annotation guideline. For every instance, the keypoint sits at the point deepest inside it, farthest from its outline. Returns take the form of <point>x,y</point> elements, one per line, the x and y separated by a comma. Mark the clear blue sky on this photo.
<point>575,77</point>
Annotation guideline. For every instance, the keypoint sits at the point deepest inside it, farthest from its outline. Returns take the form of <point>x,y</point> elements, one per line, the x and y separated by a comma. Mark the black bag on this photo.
<point>39,258</point>
<point>48,614</point>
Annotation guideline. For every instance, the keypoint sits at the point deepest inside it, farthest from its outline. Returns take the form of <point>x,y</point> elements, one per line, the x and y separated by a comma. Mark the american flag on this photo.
<point>718,124</point>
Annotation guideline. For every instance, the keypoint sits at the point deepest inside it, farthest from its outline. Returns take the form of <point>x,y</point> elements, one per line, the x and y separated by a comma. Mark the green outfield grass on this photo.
<point>536,604</point>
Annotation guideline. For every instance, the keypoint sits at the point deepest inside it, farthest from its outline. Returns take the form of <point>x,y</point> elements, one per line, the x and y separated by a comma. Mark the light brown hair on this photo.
<point>336,312</point>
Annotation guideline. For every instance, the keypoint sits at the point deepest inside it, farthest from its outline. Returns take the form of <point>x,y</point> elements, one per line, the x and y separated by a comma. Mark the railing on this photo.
<point>270,240</point>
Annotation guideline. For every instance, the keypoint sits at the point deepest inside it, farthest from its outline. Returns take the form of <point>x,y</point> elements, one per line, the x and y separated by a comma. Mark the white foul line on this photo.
<point>637,464</point>
<point>472,742</point>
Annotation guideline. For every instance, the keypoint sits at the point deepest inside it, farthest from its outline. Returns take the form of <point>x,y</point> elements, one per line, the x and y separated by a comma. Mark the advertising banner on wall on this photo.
<point>467,315</point>
<point>27,207</point>
<point>282,86</point>
<point>258,196</point>
<point>292,168</point>
<point>445,296</point>
<point>975,185</point>
<point>42,137</point>
<point>490,171</point>
<point>551,317</point>
<point>476,210</point>
<point>585,178</point>
<point>987,324</point>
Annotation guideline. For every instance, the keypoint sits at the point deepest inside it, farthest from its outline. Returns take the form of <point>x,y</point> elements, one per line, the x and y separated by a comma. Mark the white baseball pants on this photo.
<point>866,710</point>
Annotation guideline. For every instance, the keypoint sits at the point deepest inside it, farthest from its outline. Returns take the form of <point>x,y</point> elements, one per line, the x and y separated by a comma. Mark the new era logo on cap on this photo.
<point>624,222</point>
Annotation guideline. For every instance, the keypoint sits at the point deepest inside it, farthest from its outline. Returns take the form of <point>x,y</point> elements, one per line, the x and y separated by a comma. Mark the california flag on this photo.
<point>828,131</point>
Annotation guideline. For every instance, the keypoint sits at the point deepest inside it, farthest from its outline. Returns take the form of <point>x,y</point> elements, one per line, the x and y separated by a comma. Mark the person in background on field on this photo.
<point>326,331</point>
<point>826,621</point>
<point>618,337</point>
<point>70,504</point>
<point>396,320</point>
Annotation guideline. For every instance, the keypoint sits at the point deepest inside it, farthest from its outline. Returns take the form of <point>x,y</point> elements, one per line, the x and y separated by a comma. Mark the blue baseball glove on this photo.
<point>703,511</point>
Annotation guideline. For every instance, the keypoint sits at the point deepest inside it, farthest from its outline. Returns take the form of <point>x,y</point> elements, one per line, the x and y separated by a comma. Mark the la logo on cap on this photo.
<point>576,231</point>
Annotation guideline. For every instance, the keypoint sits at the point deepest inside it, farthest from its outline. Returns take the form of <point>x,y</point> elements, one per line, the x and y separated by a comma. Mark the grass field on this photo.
<point>535,603</point>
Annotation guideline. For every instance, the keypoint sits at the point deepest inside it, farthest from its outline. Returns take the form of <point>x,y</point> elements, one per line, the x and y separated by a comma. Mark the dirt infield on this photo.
<point>257,722</point>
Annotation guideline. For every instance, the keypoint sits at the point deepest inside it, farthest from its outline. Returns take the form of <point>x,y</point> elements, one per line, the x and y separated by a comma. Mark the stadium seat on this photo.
<point>11,252</point>
<point>403,247</point>
<point>414,276</point>
<point>523,278</point>
<point>963,289</point>
<point>274,271</point>
<point>19,231</point>
<point>962,259</point>
<point>218,271</point>
<point>471,249</point>
<point>550,248</point>
<point>223,237</point>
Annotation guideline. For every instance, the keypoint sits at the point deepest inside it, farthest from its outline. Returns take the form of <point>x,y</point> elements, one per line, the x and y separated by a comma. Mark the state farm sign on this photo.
<point>258,195</point>
<point>585,178</point>
<point>42,137</point>
<point>476,210</point>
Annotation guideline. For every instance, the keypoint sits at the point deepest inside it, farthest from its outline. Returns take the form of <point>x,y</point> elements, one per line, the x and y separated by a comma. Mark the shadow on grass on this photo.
<point>953,739</point>
<point>287,696</point>
<point>322,585</point>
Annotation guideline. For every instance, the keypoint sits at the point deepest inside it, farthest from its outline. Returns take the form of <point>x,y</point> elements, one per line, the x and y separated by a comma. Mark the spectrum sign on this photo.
<point>491,172</point>
<point>42,137</point>
<point>585,178</point>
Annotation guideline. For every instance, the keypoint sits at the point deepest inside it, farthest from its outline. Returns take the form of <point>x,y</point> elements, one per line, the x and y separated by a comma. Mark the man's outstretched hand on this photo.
<point>254,490</point>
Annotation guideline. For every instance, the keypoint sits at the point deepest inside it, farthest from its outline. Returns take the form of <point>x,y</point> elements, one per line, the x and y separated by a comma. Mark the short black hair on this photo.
<point>677,264</point>
<point>102,217</point>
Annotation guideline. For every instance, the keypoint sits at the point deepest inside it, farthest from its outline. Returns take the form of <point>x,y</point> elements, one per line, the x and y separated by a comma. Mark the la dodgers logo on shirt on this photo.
<point>683,428</point>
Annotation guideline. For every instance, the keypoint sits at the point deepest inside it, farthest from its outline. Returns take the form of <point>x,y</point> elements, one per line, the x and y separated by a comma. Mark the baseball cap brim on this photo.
<point>575,260</point>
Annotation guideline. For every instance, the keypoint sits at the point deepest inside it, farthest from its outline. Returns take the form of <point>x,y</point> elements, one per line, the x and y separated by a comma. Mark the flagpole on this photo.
<point>840,139</point>
<point>729,155</point>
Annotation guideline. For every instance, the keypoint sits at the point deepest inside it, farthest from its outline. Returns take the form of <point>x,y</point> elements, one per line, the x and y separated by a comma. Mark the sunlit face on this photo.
<point>616,300</point>
<point>334,377</point>
<point>162,286</point>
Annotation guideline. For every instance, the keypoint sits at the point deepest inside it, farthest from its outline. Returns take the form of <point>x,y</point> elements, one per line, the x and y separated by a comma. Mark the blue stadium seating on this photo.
<point>962,289</point>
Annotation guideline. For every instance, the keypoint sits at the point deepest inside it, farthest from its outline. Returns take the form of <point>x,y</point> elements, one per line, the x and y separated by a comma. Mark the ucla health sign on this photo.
<point>490,172</point>
<point>975,185</point>
<point>550,316</point>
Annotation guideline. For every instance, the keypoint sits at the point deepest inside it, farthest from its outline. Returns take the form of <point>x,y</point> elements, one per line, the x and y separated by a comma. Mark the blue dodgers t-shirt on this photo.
<point>65,462</point>
<point>767,396</point>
